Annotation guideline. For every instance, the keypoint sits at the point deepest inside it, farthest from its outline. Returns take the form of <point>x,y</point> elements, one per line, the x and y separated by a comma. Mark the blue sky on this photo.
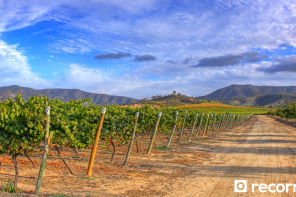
<point>147,47</point>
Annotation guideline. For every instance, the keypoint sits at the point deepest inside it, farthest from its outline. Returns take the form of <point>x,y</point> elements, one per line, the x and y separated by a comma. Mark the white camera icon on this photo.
<point>240,185</point>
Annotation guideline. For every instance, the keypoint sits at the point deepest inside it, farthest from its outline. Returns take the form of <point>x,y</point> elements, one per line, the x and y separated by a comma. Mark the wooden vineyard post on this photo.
<point>221,123</point>
<point>221,120</point>
<point>236,120</point>
<point>183,126</point>
<point>132,140</point>
<point>46,147</point>
<point>206,125</point>
<point>199,124</point>
<point>95,145</point>
<point>154,132</point>
<point>171,137</point>
<point>240,119</point>
<point>225,120</point>
<point>230,121</point>
<point>233,121</point>
<point>209,125</point>
<point>213,127</point>
<point>192,127</point>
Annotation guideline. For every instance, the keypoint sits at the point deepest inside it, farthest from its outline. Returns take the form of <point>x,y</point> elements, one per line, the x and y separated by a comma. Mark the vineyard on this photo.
<point>74,126</point>
<point>223,108</point>
<point>287,112</point>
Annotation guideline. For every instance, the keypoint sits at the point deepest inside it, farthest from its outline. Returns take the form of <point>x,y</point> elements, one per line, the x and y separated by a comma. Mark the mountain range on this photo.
<point>242,95</point>
<point>63,94</point>
<point>250,95</point>
<point>235,91</point>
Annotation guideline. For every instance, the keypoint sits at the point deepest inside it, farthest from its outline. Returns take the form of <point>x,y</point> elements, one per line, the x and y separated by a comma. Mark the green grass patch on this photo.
<point>77,159</point>
<point>162,148</point>
<point>180,156</point>
<point>59,195</point>
<point>88,178</point>
<point>9,187</point>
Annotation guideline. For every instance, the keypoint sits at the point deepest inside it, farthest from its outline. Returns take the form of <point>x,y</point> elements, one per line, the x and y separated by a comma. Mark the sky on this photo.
<point>145,48</point>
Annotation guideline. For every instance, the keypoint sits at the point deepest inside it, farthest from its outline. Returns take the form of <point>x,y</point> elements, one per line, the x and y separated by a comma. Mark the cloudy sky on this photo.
<point>147,47</point>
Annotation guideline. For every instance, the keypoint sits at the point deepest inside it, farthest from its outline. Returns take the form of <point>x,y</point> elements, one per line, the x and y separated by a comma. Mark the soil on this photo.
<point>261,150</point>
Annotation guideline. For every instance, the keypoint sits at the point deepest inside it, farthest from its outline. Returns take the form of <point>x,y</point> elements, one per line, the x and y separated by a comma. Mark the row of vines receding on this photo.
<point>73,124</point>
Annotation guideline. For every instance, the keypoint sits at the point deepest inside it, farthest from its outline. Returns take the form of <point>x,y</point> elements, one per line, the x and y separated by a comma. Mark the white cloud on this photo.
<point>15,69</point>
<point>71,46</point>
<point>189,28</point>
<point>76,74</point>
<point>17,14</point>
<point>193,30</point>
<point>95,80</point>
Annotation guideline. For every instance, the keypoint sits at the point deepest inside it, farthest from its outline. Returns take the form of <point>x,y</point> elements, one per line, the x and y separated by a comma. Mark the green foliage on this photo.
<point>9,187</point>
<point>73,124</point>
<point>162,148</point>
<point>161,105</point>
<point>237,111</point>
<point>289,111</point>
<point>21,124</point>
<point>59,195</point>
<point>202,101</point>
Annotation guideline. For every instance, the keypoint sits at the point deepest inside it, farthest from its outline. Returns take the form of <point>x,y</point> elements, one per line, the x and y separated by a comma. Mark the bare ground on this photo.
<point>261,150</point>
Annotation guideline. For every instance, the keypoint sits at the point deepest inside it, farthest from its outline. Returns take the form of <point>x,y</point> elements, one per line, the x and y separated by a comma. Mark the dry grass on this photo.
<point>139,105</point>
<point>209,105</point>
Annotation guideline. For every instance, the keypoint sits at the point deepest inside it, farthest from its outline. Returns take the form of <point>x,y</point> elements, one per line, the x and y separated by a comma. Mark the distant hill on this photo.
<point>267,100</point>
<point>234,91</point>
<point>249,95</point>
<point>63,94</point>
<point>174,99</point>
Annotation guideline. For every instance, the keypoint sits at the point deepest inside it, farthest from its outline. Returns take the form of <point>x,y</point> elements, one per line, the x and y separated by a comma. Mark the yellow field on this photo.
<point>208,105</point>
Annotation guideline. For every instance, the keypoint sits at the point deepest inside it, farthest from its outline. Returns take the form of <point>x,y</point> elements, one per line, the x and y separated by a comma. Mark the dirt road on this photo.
<point>261,151</point>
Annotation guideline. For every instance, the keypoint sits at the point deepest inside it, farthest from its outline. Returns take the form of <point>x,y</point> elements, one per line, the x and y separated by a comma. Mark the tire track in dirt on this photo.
<point>259,151</point>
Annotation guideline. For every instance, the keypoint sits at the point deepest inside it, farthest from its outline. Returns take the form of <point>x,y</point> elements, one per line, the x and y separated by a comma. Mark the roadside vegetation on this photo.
<point>288,111</point>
